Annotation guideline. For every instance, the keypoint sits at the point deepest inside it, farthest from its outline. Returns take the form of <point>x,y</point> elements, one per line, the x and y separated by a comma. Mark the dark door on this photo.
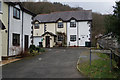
<point>47,41</point>
<point>26,42</point>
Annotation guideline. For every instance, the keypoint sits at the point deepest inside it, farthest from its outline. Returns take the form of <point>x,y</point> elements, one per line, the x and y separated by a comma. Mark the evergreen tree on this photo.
<point>113,21</point>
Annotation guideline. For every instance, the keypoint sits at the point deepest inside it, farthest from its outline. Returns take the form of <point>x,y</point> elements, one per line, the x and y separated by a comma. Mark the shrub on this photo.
<point>40,49</point>
<point>32,47</point>
<point>35,50</point>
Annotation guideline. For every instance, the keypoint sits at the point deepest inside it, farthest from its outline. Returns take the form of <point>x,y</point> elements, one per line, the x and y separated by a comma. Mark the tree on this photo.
<point>98,26</point>
<point>113,21</point>
<point>47,7</point>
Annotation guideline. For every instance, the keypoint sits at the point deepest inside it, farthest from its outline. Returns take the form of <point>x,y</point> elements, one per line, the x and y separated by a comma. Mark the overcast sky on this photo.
<point>100,6</point>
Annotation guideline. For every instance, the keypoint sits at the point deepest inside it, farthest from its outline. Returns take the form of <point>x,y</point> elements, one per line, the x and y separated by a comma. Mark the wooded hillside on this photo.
<point>47,7</point>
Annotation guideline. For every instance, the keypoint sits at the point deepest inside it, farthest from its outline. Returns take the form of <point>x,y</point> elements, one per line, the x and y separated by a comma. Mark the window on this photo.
<point>16,13</point>
<point>73,23</point>
<point>72,37</point>
<point>36,26</point>
<point>0,6</point>
<point>60,37</point>
<point>16,39</point>
<point>60,25</point>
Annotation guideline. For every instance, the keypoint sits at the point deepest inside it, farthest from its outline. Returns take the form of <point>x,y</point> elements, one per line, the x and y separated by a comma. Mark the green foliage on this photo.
<point>32,47</point>
<point>100,68</point>
<point>47,7</point>
<point>113,21</point>
<point>40,49</point>
<point>98,26</point>
<point>33,50</point>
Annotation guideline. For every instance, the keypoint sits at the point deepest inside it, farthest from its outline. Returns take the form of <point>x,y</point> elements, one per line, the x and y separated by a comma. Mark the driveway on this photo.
<point>54,63</point>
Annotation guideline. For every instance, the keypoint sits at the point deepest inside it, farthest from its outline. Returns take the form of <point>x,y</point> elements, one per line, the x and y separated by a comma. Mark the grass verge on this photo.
<point>100,68</point>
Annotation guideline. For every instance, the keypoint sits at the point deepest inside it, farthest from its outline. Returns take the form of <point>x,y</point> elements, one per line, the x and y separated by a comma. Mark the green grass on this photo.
<point>100,68</point>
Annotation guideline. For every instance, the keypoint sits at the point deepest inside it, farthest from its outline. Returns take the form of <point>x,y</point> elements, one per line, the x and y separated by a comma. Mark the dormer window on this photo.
<point>36,26</point>
<point>16,13</point>
<point>60,24</point>
<point>72,23</point>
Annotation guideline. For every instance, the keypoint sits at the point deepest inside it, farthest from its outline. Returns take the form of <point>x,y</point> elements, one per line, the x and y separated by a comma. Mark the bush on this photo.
<point>35,50</point>
<point>40,49</point>
<point>32,47</point>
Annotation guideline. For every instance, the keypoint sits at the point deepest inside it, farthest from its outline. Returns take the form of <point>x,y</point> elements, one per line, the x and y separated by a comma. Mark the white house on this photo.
<point>71,28</point>
<point>19,29</point>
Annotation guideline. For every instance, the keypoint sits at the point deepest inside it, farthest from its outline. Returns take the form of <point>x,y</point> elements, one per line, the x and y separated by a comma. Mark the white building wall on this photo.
<point>0,45</point>
<point>71,31</point>
<point>27,19</point>
<point>84,32</point>
<point>15,26</point>
<point>4,18</point>
<point>36,40</point>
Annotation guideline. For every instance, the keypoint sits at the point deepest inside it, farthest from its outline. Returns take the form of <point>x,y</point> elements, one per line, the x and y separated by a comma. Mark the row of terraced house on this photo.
<point>20,28</point>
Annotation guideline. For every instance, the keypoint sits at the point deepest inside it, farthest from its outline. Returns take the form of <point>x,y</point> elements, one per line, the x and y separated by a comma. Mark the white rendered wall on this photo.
<point>0,45</point>
<point>27,19</point>
<point>14,27</point>
<point>36,40</point>
<point>71,31</point>
<point>84,33</point>
<point>4,18</point>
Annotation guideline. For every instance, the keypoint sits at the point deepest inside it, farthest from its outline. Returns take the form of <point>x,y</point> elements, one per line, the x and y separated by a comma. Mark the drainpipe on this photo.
<point>22,33</point>
<point>32,31</point>
<point>8,29</point>
<point>77,33</point>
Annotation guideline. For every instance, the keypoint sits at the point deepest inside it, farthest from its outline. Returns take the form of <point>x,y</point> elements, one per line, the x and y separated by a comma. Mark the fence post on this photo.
<point>111,60</point>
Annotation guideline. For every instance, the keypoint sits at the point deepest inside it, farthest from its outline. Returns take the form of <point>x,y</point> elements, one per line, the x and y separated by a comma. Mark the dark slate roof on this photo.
<point>65,16</point>
<point>49,33</point>
<point>2,26</point>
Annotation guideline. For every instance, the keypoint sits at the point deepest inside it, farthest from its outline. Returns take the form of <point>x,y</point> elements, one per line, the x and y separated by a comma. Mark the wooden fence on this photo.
<point>109,42</point>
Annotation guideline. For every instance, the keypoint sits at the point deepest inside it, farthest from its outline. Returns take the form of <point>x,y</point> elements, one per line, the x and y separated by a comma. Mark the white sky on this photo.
<point>82,0</point>
<point>100,6</point>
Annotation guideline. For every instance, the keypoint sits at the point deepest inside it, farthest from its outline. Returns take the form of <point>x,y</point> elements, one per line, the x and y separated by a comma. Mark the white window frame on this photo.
<point>36,26</point>
<point>60,24</point>
<point>73,38</point>
<point>16,13</point>
<point>72,23</point>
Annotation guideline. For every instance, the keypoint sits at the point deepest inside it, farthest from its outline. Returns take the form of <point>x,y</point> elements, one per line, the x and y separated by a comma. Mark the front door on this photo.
<point>26,42</point>
<point>47,41</point>
<point>82,40</point>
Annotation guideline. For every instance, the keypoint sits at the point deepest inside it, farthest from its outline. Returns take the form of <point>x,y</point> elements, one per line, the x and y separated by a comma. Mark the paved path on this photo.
<point>54,63</point>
